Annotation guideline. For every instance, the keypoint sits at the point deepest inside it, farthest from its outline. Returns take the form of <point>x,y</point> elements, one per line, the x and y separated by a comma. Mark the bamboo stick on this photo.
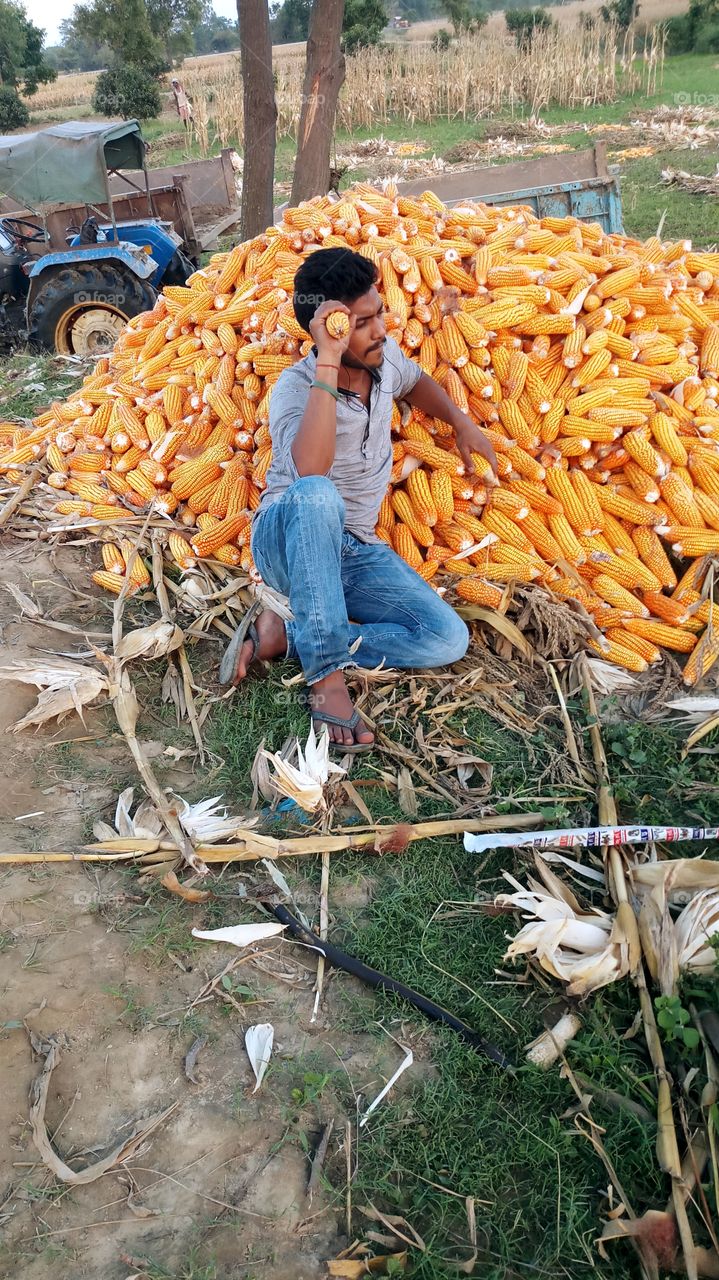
<point>667,1147</point>
<point>254,845</point>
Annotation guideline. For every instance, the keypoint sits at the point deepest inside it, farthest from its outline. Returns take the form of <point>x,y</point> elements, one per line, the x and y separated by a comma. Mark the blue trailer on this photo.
<point>573,183</point>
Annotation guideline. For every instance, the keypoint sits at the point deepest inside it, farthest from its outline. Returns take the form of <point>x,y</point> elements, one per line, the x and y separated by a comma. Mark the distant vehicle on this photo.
<point>399,23</point>
<point>77,300</point>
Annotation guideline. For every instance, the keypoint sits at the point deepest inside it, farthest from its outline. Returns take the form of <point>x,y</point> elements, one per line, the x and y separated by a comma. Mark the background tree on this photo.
<point>620,12</point>
<point>76,52</point>
<point>124,25</point>
<point>363,24</point>
<point>260,117</point>
<point>465,15</point>
<point>291,21</point>
<point>324,75</point>
<point>696,31</point>
<point>22,65</point>
<point>144,33</point>
<point>525,23</point>
<point>213,34</point>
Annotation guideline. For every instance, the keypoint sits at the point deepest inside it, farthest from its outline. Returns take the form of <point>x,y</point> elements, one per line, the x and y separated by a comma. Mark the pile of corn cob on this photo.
<point>591,360</point>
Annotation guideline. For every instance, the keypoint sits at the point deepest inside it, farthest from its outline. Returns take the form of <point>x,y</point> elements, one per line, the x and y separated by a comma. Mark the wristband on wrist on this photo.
<point>328,366</point>
<point>325,386</point>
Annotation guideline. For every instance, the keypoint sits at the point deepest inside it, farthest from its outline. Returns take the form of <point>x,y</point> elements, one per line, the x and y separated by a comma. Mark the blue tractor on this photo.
<point>76,300</point>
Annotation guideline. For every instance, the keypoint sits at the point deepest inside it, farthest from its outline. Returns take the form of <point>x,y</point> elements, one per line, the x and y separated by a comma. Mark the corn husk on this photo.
<point>695,928</point>
<point>583,949</point>
<point>305,782</point>
<point>258,1043</point>
<point>155,641</point>
<point>65,687</point>
<point>209,821</point>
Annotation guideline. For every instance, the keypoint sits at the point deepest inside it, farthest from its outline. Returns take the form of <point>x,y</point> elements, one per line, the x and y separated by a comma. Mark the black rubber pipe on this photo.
<point>340,960</point>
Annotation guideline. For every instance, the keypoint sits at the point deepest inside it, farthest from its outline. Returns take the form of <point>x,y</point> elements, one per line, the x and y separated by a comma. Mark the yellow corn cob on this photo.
<point>703,656</point>
<point>565,536</point>
<point>406,513</point>
<point>542,539</point>
<point>652,554</point>
<point>636,513</point>
<point>618,537</point>
<point>677,612</point>
<point>578,500</point>
<point>172,403</point>
<point>190,476</point>
<point>450,343</point>
<point>687,541</point>
<point>112,582</point>
<point>405,545</point>
<point>505,571</point>
<point>619,655</point>
<point>680,500</point>
<point>222,533</point>
<point>645,486</point>
<point>180,551</point>
<point>478,591</point>
<point>618,596</point>
<point>112,558</point>
<point>420,495</point>
<point>136,567</point>
<point>434,457</point>
<point>386,518</point>
<point>661,634</point>
<point>637,644</point>
<point>440,485</point>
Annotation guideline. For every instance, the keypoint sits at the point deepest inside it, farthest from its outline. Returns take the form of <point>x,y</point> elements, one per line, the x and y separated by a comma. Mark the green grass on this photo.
<point>470,1128</point>
<point>29,381</point>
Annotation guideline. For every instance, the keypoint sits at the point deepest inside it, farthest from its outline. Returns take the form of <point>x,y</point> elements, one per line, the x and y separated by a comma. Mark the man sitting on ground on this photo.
<point>313,536</point>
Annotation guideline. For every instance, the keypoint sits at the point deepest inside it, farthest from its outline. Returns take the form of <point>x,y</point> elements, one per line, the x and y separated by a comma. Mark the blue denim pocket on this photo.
<point>351,546</point>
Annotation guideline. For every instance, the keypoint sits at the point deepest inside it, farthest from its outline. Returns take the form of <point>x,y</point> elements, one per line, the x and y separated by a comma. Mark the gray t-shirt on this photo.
<point>363,453</point>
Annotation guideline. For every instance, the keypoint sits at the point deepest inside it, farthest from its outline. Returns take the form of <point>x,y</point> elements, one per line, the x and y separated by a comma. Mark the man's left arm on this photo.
<point>430,398</point>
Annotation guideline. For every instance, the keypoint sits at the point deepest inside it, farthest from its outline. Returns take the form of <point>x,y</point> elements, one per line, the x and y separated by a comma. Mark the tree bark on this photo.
<point>324,76</point>
<point>260,117</point>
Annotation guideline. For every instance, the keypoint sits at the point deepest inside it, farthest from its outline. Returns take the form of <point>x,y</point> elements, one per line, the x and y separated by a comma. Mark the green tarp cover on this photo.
<point>67,163</point>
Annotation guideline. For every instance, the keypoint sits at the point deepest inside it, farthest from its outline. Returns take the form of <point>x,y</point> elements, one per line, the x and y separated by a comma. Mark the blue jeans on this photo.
<point>301,549</point>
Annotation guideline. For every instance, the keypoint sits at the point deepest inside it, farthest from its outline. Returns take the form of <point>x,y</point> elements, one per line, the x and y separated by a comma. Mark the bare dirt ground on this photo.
<point>221,1188</point>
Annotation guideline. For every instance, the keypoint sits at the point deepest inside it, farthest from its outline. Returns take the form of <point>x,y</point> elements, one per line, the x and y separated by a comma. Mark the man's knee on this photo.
<point>317,494</point>
<point>448,643</point>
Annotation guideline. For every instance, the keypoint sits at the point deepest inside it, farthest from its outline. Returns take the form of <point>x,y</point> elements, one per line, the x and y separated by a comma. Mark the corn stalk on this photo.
<point>667,1147</point>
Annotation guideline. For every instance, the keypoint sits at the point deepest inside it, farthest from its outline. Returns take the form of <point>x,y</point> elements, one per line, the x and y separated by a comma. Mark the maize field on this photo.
<point>590,360</point>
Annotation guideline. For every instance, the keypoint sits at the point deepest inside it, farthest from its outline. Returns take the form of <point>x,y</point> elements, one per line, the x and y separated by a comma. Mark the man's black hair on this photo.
<point>327,274</point>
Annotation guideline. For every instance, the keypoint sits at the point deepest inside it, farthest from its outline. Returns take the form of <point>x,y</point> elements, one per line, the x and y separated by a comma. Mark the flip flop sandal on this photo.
<point>246,631</point>
<point>343,748</point>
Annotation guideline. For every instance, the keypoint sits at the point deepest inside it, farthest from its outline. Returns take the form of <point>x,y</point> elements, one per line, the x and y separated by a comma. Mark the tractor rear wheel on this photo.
<point>81,311</point>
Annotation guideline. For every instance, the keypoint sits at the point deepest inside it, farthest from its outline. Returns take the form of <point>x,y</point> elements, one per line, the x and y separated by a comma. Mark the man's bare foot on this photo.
<point>272,643</point>
<point>330,695</point>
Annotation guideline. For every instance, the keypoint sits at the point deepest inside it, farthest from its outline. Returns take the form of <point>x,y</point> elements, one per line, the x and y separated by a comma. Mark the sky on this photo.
<point>48,14</point>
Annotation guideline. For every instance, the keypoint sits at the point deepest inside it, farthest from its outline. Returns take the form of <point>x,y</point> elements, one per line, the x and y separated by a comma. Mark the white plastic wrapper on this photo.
<point>587,837</point>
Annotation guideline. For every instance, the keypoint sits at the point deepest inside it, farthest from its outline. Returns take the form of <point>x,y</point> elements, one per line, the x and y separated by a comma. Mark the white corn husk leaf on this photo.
<point>150,642</point>
<point>695,927</point>
<point>258,1043</point>
<point>695,709</point>
<point>145,824</point>
<point>582,949</point>
<point>607,679</point>
<point>208,820</point>
<point>240,935</point>
<point>65,687</point>
<point>679,877</point>
<point>305,782</point>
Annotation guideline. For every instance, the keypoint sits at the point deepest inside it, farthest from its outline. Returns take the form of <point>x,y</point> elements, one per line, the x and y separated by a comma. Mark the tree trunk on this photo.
<point>260,117</point>
<point>324,76</point>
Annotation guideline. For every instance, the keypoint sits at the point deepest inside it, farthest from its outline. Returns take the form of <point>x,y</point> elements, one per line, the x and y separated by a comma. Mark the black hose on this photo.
<point>340,960</point>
